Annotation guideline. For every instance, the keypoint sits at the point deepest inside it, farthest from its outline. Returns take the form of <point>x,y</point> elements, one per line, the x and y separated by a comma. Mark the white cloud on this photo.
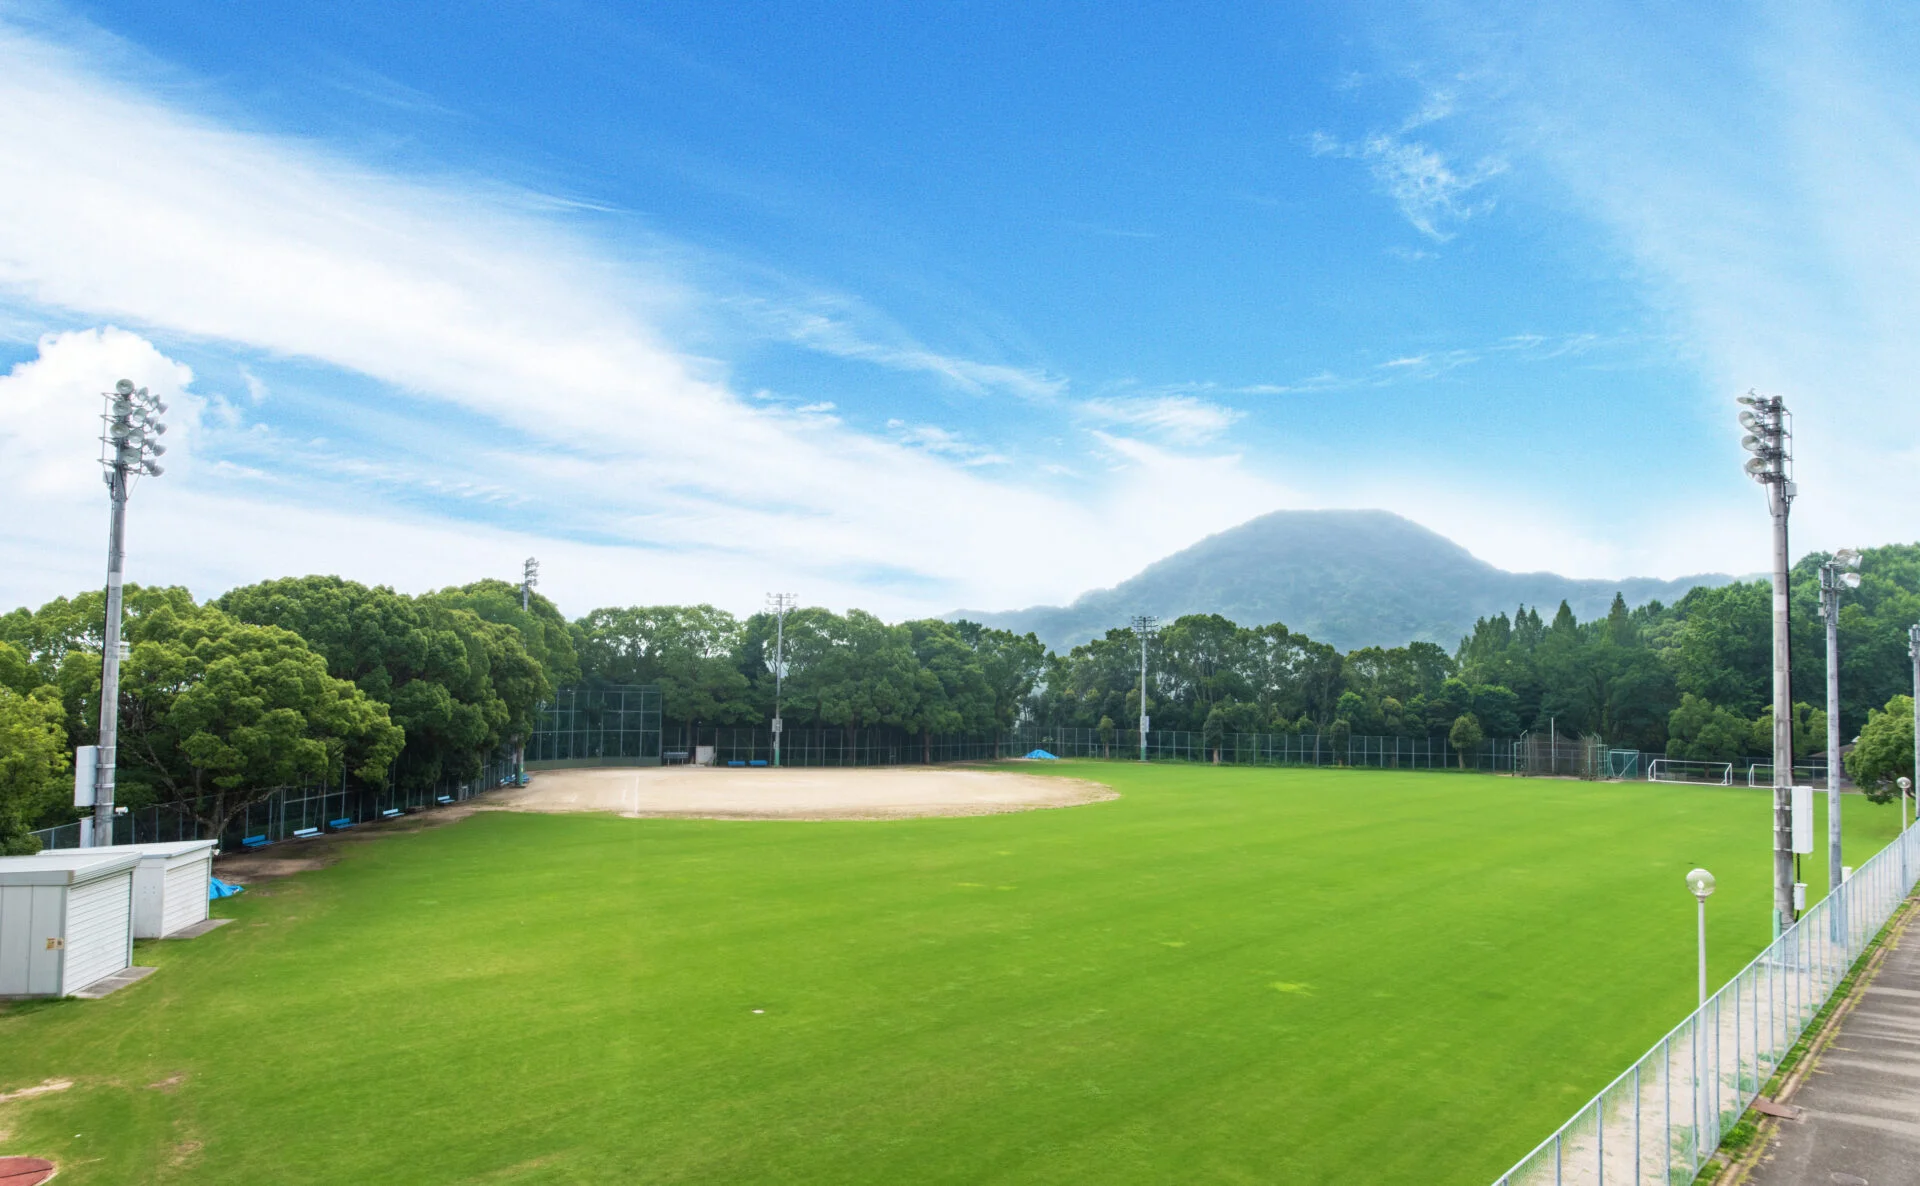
<point>1181,419</point>
<point>474,313</point>
<point>1760,185</point>
<point>1432,193</point>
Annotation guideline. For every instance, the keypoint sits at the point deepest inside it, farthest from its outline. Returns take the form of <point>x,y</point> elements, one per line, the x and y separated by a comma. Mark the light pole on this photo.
<point>1905,784</point>
<point>128,450</point>
<point>1770,439</point>
<point>1701,883</point>
<point>1913,649</point>
<point>529,577</point>
<point>1143,625</point>
<point>779,604</point>
<point>1834,576</point>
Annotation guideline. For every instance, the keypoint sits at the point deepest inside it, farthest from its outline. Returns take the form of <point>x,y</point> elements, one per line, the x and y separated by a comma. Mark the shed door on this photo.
<point>29,917</point>
<point>185,897</point>
<point>99,930</point>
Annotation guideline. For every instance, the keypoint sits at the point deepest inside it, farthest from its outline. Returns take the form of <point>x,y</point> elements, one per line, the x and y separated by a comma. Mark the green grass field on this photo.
<point>1226,975</point>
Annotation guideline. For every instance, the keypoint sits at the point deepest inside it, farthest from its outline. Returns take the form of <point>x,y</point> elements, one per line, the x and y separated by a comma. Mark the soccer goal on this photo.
<point>1623,763</point>
<point>1760,774</point>
<point>1719,774</point>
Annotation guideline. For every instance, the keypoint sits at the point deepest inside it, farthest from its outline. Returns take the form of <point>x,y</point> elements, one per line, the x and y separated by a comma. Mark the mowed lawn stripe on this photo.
<point>1225,975</point>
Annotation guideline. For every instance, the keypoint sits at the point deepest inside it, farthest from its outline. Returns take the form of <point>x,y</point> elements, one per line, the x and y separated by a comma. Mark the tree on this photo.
<point>1884,752</point>
<point>1466,733</point>
<point>218,714</point>
<point>34,764</point>
<point>458,685</point>
<point>1701,731</point>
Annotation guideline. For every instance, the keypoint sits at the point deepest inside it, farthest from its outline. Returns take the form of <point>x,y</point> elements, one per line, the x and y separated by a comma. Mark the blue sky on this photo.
<point>916,308</point>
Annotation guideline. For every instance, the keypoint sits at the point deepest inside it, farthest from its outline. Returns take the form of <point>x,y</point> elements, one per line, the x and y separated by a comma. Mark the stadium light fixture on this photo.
<point>1770,440</point>
<point>129,449</point>
<point>1144,625</point>
<point>1700,882</point>
<point>529,577</point>
<point>779,605</point>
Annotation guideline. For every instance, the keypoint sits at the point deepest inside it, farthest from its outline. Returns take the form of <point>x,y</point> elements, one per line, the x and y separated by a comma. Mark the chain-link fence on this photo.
<point>884,746</point>
<point>1662,1119</point>
<point>287,811</point>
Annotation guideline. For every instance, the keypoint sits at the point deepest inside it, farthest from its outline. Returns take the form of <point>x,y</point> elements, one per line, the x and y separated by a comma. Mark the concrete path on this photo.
<point>1861,1098</point>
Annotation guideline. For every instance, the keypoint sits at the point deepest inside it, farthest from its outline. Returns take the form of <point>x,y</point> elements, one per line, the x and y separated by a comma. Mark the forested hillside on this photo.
<point>311,679</point>
<point>1351,579</point>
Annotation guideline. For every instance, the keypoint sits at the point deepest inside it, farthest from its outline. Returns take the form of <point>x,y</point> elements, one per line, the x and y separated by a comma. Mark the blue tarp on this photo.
<point>217,888</point>
<point>1043,755</point>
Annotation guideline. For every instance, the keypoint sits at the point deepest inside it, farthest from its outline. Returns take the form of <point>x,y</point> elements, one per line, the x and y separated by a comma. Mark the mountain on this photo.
<point>1350,578</point>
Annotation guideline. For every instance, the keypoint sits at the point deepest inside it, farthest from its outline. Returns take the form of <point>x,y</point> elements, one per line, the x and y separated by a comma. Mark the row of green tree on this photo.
<point>317,679</point>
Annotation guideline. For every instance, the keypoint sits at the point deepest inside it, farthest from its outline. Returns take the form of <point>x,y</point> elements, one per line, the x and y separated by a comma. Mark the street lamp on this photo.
<point>1701,883</point>
<point>1144,625</point>
<point>1770,439</point>
<point>1835,575</point>
<point>129,449</point>
<point>779,605</point>
<point>1905,784</point>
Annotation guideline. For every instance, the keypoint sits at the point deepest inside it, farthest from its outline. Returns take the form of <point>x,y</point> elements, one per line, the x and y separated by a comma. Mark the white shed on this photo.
<point>169,886</point>
<point>66,920</point>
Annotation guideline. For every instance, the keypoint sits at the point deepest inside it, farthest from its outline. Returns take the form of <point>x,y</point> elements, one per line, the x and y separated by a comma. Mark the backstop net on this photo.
<point>616,725</point>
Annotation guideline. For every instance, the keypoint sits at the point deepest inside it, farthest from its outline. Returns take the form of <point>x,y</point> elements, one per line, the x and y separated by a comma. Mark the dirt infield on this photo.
<point>792,794</point>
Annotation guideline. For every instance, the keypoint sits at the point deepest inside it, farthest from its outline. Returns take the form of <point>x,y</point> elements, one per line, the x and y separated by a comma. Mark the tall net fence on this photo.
<point>883,746</point>
<point>287,811</point>
<point>619,724</point>
<point>1666,1114</point>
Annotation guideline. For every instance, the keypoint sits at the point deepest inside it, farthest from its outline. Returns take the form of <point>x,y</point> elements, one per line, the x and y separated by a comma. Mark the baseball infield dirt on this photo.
<point>792,794</point>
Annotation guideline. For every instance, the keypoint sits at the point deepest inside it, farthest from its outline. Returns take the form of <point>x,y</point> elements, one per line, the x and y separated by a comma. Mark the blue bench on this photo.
<point>736,763</point>
<point>444,800</point>
<point>305,833</point>
<point>254,842</point>
<point>758,762</point>
<point>339,824</point>
<point>390,813</point>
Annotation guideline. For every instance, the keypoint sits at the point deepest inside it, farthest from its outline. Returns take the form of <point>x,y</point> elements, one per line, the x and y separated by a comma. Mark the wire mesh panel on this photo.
<point>618,723</point>
<point>1663,1118</point>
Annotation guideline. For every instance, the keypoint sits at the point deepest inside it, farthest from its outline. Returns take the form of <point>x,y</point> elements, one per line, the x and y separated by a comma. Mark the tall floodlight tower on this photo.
<point>129,448</point>
<point>1770,439</point>
<point>779,605</point>
<point>529,577</point>
<point>1144,625</point>
<point>1835,575</point>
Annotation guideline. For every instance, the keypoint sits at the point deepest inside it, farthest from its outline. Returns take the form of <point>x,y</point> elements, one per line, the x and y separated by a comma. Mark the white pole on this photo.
<point>1830,610</point>
<point>1703,950</point>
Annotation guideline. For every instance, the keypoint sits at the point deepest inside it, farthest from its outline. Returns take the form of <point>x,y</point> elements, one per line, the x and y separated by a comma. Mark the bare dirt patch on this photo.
<point>37,1089</point>
<point>792,794</point>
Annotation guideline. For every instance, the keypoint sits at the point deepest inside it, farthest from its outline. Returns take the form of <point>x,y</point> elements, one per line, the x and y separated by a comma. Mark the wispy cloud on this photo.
<point>846,331</point>
<point>944,442</point>
<point>1432,193</point>
<point>1180,419</point>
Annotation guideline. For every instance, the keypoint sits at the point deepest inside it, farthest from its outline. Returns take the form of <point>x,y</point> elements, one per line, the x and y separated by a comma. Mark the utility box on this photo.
<point>66,920</point>
<point>1802,800</point>
<point>169,885</point>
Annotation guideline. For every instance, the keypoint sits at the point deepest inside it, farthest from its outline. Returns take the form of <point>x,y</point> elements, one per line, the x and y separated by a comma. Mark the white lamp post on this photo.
<point>1769,438</point>
<point>1905,784</point>
<point>1834,579</point>
<point>1701,883</point>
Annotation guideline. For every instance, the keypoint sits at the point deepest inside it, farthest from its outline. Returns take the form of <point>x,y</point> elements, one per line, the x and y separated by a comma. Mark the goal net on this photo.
<point>1760,774</point>
<point>1623,763</point>
<point>1718,774</point>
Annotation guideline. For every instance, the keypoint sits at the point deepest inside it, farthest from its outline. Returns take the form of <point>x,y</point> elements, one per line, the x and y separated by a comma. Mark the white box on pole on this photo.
<point>86,768</point>
<point>1803,819</point>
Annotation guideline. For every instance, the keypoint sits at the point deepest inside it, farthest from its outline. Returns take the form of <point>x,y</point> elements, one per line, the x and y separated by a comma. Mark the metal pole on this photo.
<point>1830,610</point>
<point>1913,649</point>
<point>1769,439</point>
<point>110,657</point>
<point>1143,625</point>
<point>130,446</point>
<point>1703,950</point>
